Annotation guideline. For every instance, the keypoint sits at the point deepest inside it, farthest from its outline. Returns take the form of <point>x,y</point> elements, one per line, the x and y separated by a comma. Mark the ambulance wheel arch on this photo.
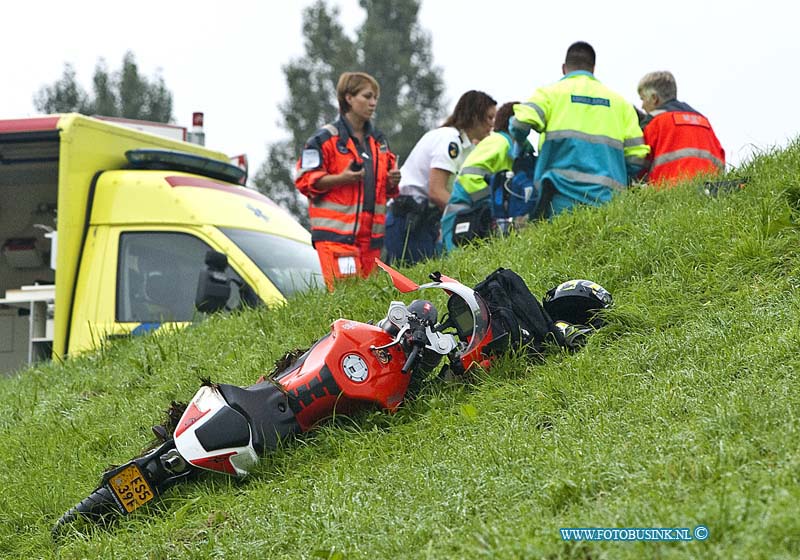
<point>155,276</point>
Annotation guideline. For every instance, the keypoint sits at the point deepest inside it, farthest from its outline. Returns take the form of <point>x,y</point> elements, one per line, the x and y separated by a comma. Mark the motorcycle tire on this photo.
<point>99,507</point>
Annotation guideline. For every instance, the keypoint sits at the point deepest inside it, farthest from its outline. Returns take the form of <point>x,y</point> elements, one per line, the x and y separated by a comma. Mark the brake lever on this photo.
<point>395,342</point>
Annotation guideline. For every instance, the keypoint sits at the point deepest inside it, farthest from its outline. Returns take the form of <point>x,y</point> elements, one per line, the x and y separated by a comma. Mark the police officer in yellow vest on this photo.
<point>590,142</point>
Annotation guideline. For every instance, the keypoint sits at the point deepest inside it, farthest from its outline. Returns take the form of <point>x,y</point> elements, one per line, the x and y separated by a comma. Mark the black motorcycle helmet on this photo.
<point>577,302</point>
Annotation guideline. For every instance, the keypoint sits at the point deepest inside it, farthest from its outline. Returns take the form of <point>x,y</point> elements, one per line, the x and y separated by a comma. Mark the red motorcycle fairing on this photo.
<point>341,374</point>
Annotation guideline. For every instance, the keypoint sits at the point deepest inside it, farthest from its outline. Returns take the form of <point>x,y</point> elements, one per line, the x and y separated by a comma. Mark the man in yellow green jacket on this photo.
<point>590,143</point>
<point>472,188</point>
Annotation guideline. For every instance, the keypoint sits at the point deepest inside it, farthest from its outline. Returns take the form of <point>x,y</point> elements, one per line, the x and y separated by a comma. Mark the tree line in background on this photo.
<point>124,93</point>
<point>390,45</point>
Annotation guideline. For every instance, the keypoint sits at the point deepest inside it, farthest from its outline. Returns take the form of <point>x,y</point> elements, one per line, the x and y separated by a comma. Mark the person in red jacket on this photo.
<point>682,142</point>
<point>348,172</point>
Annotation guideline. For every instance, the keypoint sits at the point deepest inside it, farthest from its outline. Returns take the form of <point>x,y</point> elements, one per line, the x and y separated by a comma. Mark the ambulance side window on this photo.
<point>157,277</point>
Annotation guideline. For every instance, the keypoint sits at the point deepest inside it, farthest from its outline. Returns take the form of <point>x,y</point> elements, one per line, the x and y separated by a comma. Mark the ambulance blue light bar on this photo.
<point>172,160</point>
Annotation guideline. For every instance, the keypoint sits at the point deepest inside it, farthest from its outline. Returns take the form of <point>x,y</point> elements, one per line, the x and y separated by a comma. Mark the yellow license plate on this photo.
<point>131,488</point>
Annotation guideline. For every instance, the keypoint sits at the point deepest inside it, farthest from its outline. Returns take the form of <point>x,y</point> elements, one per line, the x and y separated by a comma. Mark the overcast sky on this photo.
<point>734,61</point>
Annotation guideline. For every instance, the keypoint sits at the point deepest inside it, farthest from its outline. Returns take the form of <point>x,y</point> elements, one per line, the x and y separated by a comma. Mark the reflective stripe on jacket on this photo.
<point>489,156</point>
<point>590,142</point>
<point>683,144</point>
<point>470,188</point>
<point>352,211</point>
<point>492,154</point>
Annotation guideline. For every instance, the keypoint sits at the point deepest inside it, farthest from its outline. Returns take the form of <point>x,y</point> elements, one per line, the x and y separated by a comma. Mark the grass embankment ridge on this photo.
<point>682,411</point>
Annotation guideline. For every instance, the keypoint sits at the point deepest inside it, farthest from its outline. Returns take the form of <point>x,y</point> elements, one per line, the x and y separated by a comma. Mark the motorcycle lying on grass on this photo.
<point>226,428</point>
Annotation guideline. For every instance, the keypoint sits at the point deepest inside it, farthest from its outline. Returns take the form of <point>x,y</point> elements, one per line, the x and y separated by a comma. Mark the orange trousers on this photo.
<point>338,260</point>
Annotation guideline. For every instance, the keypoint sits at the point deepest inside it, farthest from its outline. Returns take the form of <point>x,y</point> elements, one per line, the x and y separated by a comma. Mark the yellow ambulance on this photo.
<point>109,231</point>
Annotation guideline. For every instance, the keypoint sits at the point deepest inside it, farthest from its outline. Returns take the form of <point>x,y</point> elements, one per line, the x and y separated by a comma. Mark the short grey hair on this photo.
<point>661,83</point>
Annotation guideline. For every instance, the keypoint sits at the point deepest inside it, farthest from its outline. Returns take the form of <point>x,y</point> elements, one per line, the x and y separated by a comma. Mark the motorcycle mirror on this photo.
<point>401,282</point>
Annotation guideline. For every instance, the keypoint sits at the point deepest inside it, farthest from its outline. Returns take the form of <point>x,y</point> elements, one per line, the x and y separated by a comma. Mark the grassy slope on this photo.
<point>683,411</point>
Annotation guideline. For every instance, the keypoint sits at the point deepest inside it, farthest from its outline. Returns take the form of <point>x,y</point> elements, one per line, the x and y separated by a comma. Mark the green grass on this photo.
<point>684,410</point>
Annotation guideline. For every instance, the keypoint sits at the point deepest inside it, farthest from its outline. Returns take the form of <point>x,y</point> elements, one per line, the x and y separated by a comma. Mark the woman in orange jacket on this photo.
<point>348,173</point>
